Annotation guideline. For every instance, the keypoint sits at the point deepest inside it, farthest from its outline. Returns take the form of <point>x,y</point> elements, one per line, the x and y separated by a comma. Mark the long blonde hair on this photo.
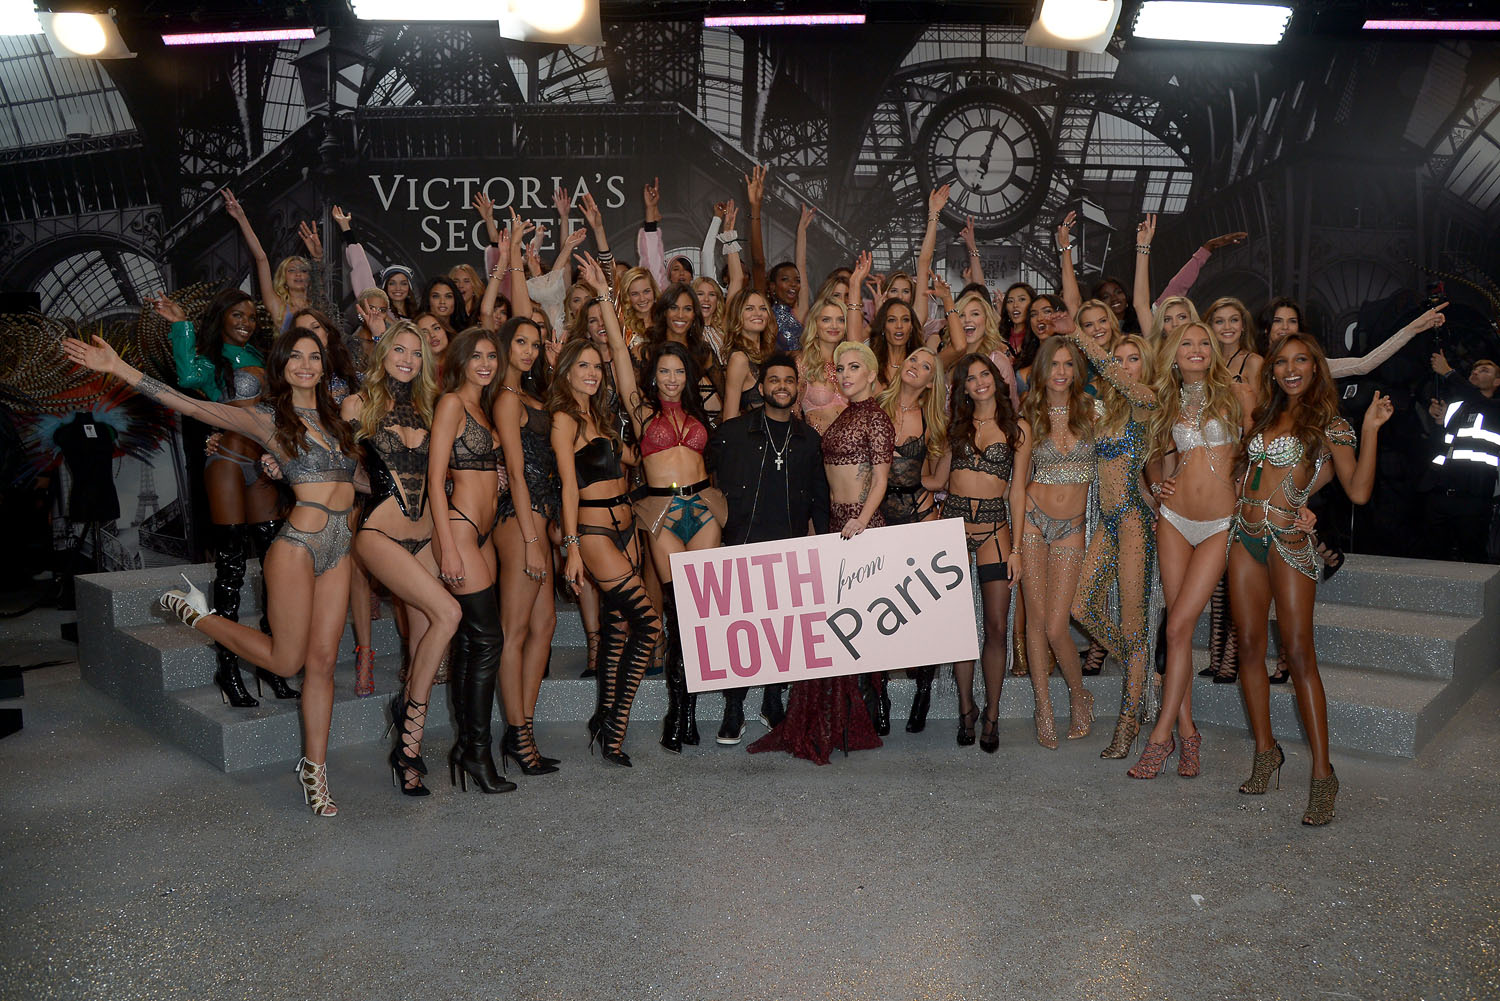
<point>813,362</point>
<point>714,319</point>
<point>1161,310</point>
<point>476,284</point>
<point>376,396</point>
<point>1219,400</point>
<point>991,340</point>
<point>1117,405</point>
<point>1080,404</point>
<point>1113,321</point>
<point>278,281</point>
<point>933,400</point>
<point>632,325</point>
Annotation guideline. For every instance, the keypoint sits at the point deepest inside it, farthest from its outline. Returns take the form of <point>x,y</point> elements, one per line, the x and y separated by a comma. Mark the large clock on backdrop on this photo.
<point>994,151</point>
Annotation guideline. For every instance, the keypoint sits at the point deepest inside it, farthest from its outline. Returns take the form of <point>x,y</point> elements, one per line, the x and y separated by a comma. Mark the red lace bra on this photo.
<point>672,427</point>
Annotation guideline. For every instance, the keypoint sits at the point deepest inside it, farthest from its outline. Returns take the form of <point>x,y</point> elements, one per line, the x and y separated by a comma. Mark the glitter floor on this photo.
<point>921,870</point>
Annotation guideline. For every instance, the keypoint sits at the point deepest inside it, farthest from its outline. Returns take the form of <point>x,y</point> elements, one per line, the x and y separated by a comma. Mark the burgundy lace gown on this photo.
<point>829,714</point>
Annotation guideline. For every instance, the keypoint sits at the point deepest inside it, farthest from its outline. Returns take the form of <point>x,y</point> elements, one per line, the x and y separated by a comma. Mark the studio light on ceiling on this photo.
<point>781,20</point>
<point>1078,25</point>
<point>238,37</point>
<point>90,36</point>
<point>426,10</point>
<point>1219,23</point>
<point>559,22</point>
<point>1431,25</point>
<point>19,17</point>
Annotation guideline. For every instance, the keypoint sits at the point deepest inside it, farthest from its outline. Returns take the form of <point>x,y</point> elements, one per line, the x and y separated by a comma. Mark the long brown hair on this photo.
<point>1319,402</point>
<point>290,436</point>
<point>736,338</point>
<point>456,362</point>
<point>1248,333</point>
<point>1080,403</point>
<point>961,430</point>
<point>560,398</point>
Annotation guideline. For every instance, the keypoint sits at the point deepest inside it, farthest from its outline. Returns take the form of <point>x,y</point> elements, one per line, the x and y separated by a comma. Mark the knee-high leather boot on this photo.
<point>262,533</point>
<point>476,758</point>
<point>684,719</point>
<point>629,668</point>
<point>921,702</point>
<point>230,545</point>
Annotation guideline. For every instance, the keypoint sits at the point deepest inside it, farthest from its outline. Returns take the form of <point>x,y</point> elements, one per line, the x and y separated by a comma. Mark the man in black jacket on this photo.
<point>1459,485</point>
<point>769,464</point>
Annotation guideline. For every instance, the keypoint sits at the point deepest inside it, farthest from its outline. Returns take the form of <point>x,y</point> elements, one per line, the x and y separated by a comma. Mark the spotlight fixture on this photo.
<point>231,37</point>
<point>90,36</point>
<point>780,20</point>
<point>1214,22</point>
<point>559,22</point>
<point>1431,25</point>
<point>19,17</point>
<point>1077,25</point>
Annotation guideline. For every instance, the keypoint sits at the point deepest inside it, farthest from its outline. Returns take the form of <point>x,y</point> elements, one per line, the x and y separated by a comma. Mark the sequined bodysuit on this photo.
<point>860,436</point>
<point>1260,535</point>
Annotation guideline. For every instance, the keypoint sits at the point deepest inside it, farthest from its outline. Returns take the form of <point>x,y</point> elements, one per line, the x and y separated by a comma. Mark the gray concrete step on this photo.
<point>1386,582</point>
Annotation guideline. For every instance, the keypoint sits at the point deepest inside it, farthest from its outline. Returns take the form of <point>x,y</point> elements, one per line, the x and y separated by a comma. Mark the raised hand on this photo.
<point>651,196</point>
<point>1227,240</point>
<point>937,200</point>
<point>591,274</point>
<point>731,213</point>
<point>807,217</point>
<point>518,228</point>
<point>940,290</point>
<point>1061,323</point>
<point>755,185</point>
<point>573,240</point>
<point>342,219</point>
<point>96,355</point>
<point>485,206</point>
<point>311,240</point>
<point>591,213</point>
<point>862,265</point>
<point>968,234</point>
<point>1145,231</point>
<point>1379,411</point>
<point>232,206</point>
<point>1065,231</point>
<point>1440,364</point>
<point>167,309</point>
<point>1432,318</point>
<point>563,202</point>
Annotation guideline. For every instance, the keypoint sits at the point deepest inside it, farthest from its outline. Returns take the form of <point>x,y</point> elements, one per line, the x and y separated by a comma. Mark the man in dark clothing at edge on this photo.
<point>1459,485</point>
<point>769,464</point>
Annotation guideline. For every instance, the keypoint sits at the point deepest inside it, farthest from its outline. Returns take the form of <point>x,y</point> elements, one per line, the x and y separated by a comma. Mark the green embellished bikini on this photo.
<point>1286,452</point>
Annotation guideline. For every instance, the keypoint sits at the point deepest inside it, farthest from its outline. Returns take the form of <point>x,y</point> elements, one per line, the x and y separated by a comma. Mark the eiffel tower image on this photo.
<point>148,504</point>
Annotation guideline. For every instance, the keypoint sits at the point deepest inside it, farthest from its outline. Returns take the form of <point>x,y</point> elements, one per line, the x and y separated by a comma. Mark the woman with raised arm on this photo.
<point>308,577</point>
<point>1177,288</point>
<point>1017,339</point>
<point>528,509</point>
<point>1113,599</point>
<point>675,317</point>
<point>1196,429</point>
<point>680,510</point>
<point>981,335</point>
<point>470,287</point>
<point>893,334</point>
<point>989,454</point>
<point>1296,433</point>
<point>392,417</point>
<point>215,357</point>
<point>463,448</point>
<point>1063,464</point>
<point>751,333</point>
<point>297,282</point>
<point>599,532</point>
<point>857,452</point>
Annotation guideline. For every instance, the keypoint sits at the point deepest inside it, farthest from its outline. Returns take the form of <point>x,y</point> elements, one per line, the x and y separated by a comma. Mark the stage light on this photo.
<point>1431,25</point>
<point>91,36</point>
<point>1077,25</point>
<point>781,20</point>
<point>230,37</point>
<point>558,22</point>
<point>1221,23</point>
<point>427,10</point>
<point>19,17</point>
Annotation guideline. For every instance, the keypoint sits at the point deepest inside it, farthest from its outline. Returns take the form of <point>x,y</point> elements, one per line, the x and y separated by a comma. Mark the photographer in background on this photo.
<point>1458,486</point>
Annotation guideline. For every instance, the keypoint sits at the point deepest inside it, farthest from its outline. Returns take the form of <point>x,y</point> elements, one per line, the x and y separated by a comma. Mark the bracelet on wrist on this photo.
<point>952,312</point>
<point>569,540</point>
<point>531,540</point>
<point>1144,249</point>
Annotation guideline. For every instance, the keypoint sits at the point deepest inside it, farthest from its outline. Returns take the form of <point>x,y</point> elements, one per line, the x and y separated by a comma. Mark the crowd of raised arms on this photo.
<point>475,443</point>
